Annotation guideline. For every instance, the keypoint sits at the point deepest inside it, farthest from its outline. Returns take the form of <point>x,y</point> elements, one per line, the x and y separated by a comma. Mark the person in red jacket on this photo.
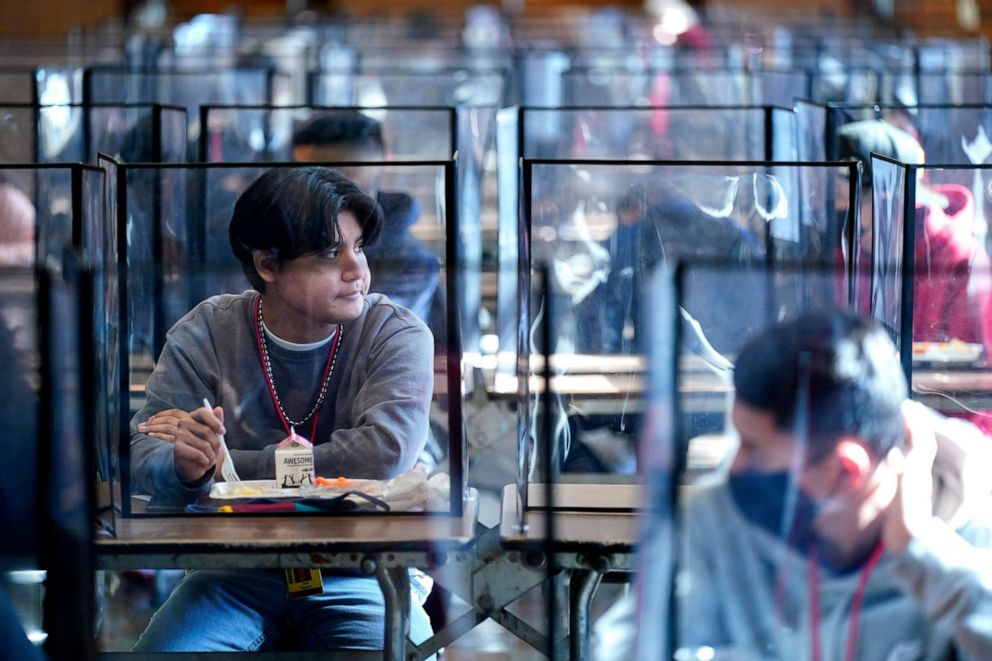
<point>952,270</point>
<point>951,286</point>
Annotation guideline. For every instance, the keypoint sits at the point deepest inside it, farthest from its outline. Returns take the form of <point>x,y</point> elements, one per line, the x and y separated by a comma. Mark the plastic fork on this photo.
<point>227,471</point>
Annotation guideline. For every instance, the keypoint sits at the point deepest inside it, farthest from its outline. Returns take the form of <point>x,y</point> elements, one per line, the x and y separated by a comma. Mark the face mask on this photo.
<point>762,498</point>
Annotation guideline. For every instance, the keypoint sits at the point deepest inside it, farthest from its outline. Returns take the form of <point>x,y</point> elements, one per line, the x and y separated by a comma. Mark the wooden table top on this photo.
<point>588,495</point>
<point>575,531</point>
<point>291,533</point>
<point>622,378</point>
<point>956,381</point>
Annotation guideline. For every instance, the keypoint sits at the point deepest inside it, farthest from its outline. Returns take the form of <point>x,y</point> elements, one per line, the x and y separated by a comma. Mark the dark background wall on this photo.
<point>56,17</point>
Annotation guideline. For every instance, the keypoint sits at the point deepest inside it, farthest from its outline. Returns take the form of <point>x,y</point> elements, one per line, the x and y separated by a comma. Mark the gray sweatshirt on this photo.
<point>743,595</point>
<point>373,422</point>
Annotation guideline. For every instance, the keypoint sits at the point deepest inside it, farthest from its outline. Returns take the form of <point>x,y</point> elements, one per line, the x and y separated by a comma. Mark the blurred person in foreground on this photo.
<point>18,414</point>
<point>857,527</point>
<point>18,504</point>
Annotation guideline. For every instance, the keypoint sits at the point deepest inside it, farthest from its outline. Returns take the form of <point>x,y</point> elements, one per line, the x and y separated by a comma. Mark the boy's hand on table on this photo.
<point>195,436</point>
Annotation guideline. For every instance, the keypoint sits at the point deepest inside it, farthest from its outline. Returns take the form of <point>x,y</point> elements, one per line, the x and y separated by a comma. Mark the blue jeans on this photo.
<point>250,610</point>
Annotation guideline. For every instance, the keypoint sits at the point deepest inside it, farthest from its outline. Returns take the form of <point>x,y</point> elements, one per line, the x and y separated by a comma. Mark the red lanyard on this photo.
<point>272,387</point>
<point>856,604</point>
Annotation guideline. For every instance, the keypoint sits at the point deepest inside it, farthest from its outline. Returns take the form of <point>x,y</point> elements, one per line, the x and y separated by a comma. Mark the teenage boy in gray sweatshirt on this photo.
<point>852,523</point>
<point>308,349</point>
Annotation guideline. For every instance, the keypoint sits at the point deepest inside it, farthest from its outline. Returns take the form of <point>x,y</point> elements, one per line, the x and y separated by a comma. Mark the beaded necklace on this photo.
<point>263,353</point>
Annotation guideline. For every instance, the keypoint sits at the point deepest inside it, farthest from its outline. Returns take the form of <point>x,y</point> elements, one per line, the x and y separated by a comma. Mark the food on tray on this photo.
<point>956,351</point>
<point>923,347</point>
<point>251,489</point>
<point>322,487</point>
<point>337,482</point>
<point>246,491</point>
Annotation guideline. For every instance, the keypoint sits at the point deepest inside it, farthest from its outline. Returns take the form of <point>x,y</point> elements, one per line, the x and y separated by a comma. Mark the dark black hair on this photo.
<point>293,212</point>
<point>855,382</point>
<point>341,128</point>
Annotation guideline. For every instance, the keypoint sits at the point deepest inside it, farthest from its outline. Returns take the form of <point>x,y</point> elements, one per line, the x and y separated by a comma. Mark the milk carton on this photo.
<point>294,462</point>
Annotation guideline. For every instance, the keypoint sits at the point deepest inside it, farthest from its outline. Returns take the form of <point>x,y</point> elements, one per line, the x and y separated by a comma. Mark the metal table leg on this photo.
<point>582,587</point>
<point>395,585</point>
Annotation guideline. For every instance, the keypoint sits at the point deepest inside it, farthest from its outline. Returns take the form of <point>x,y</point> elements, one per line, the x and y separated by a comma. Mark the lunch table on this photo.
<point>384,546</point>
<point>595,532</point>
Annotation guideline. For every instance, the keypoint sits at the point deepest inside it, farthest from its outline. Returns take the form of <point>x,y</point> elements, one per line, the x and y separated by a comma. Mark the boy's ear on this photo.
<point>266,264</point>
<point>853,458</point>
<point>303,153</point>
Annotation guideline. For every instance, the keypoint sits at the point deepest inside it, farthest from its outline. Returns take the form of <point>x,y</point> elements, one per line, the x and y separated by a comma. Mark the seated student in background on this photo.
<point>17,251</point>
<point>868,540</point>
<point>654,226</point>
<point>952,288</point>
<point>308,347</point>
<point>952,298</point>
<point>405,270</point>
<point>17,220</point>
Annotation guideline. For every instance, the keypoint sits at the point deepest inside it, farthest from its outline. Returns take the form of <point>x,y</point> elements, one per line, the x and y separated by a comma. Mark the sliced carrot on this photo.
<point>339,482</point>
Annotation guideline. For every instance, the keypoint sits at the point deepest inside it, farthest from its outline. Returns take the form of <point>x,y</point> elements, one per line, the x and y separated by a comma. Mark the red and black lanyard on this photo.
<point>856,605</point>
<point>268,378</point>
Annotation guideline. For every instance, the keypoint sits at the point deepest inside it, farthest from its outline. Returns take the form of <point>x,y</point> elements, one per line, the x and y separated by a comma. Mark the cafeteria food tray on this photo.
<point>271,489</point>
<point>953,352</point>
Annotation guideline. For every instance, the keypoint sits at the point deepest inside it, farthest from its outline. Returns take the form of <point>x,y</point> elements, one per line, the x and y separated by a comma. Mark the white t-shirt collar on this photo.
<point>295,346</point>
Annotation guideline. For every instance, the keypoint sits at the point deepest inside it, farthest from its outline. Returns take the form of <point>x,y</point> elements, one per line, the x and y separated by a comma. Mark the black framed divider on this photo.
<point>189,88</point>
<point>662,86</point>
<point>44,84</point>
<point>391,86</point>
<point>46,406</point>
<point>940,86</point>
<point>946,133</point>
<point>265,133</point>
<point>603,226</point>
<point>54,215</point>
<point>690,133</point>
<point>759,133</point>
<point>374,52</point>
<point>77,133</point>
<point>67,464</point>
<point>957,135</point>
<point>20,313</point>
<point>936,54</point>
<point>847,84</point>
<point>52,208</point>
<point>931,280</point>
<point>184,87</point>
<point>173,252</point>
<point>17,85</point>
<point>175,223</point>
<point>408,133</point>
